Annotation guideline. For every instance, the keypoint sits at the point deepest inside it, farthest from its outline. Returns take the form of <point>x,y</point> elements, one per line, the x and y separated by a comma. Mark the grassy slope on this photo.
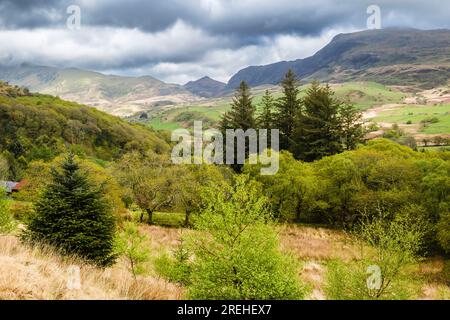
<point>35,116</point>
<point>27,273</point>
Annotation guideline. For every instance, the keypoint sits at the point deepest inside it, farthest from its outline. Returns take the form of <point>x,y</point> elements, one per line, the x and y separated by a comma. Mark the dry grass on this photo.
<point>38,273</point>
<point>311,243</point>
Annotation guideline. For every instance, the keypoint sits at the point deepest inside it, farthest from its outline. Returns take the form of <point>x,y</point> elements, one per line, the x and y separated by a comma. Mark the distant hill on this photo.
<point>114,94</point>
<point>206,87</point>
<point>36,126</point>
<point>388,56</point>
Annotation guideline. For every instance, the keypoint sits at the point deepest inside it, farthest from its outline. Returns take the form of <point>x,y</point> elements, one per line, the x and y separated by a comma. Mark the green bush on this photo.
<point>6,220</point>
<point>176,267</point>
<point>132,245</point>
<point>237,254</point>
<point>348,281</point>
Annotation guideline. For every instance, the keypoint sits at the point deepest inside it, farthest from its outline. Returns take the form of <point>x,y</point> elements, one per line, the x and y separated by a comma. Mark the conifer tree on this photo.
<point>241,116</point>
<point>352,130</point>
<point>319,131</point>
<point>73,216</point>
<point>265,118</point>
<point>288,109</point>
<point>242,113</point>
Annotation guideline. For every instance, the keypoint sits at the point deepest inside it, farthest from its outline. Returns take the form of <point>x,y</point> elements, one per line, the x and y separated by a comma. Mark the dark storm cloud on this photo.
<point>244,18</point>
<point>192,37</point>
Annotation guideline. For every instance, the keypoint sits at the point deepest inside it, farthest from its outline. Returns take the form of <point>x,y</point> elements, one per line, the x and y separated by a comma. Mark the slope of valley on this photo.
<point>114,94</point>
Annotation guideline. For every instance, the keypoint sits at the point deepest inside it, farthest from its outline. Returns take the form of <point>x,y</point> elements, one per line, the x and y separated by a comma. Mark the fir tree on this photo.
<point>241,116</point>
<point>352,130</point>
<point>73,216</point>
<point>319,131</point>
<point>288,109</point>
<point>242,113</point>
<point>265,118</point>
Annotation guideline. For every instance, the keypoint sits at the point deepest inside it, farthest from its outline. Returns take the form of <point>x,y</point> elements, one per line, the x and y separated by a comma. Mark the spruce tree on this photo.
<point>241,116</point>
<point>352,130</point>
<point>73,216</point>
<point>319,130</point>
<point>288,109</point>
<point>265,118</point>
<point>242,113</point>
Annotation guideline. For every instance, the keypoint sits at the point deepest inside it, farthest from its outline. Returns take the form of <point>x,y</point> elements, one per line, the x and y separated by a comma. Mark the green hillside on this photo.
<point>36,126</point>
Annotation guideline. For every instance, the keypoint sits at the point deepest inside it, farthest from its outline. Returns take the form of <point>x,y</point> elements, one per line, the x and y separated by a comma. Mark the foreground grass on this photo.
<point>40,273</point>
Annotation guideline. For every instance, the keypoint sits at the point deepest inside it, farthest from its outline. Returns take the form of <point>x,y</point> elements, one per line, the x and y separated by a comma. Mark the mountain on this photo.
<point>205,87</point>
<point>389,56</point>
<point>114,94</point>
<point>36,126</point>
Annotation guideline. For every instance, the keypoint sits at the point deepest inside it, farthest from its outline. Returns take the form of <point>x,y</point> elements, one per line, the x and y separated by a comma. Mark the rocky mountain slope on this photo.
<point>389,56</point>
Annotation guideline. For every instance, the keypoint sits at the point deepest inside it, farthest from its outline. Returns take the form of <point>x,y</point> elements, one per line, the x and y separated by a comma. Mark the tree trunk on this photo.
<point>187,218</point>
<point>150,216</point>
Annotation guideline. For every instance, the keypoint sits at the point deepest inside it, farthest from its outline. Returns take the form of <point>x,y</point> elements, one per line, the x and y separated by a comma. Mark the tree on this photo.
<point>191,179</point>
<point>150,180</point>
<point>131,244</point>
<point>237,256</point>
<point>73,216</point>
<point>241,116</point>
<point>352,130</point>
<point>288,110</point>
<point>242,113</point>
<point>265,118</point>
<point>318,132</point>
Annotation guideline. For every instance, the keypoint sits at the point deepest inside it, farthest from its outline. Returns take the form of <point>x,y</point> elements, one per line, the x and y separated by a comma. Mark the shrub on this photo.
<point>392,245</point>
<point>6,220</point>
<point>131,244</point>
<point>237,256</point>
<point>176,267</point>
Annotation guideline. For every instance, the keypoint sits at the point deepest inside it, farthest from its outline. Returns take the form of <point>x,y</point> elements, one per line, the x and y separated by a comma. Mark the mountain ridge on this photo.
<point>348,55</point>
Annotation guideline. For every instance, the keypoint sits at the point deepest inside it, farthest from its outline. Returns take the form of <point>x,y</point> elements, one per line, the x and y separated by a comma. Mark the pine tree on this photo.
<point>242,113</point>
<point>241,116</point>
<point>265,118</point>
<point>288,109</point>
<point>319,130</point>
<point>352,130</point>
<point>73,216</point>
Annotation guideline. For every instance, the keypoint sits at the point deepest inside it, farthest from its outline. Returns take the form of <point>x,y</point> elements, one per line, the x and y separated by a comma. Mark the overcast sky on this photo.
<point>182,40</point>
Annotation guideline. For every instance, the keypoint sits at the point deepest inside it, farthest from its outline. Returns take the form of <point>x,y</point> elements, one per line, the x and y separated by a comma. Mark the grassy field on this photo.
<point>430,119</point>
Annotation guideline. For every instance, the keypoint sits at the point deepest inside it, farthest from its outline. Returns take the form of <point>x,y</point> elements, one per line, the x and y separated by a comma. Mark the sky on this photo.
<point>182,40</point>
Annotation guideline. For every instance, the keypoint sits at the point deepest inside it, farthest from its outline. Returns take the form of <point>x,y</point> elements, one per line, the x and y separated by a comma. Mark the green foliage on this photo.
<point>40,127</point>
<point>178,266</point>
<point>319,129</point>
<point>6,220</point>
<point>265,118</point>
<point>352,130</point>
<point>132,245</point>
<point>288,110</point>
<point>74,217</point>
<point>242,113</point>
<point>238,257</point>
<point>387,247</point>
<point>150,181</point>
